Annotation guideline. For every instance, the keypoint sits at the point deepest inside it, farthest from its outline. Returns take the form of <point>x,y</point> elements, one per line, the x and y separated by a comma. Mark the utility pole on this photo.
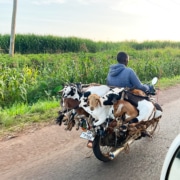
<point>13,25</point>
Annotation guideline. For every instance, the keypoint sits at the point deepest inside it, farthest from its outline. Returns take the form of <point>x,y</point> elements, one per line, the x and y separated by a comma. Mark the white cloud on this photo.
<point>88,1</point>
<point>134,7</point>
<point>40,2</point>
<point>103,2</point>
<point>5,1</point>
<point>146,7</point>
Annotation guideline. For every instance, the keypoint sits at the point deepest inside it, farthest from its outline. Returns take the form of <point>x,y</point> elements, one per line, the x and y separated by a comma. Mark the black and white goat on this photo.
<point>147,109</point>
<point>72,96</point>
<point>75,91</point>
<point>94,105</point>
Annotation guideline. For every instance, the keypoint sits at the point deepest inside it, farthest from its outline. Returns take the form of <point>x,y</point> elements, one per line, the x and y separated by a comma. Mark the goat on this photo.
<point>97,107</point>
<point>97,110</point>
<point>122,107</point>
<point>69,103</point>
<point>147,110</point>
<point>73,116</point>
<point>94,101</point>
<point>137,92</point>
<point>72,91</point>
<point>71,95</point>
<point>75,91</point>
<point>93,104</point>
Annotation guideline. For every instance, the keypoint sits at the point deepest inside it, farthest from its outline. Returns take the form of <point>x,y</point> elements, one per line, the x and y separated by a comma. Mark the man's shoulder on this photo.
<point>129,69</point>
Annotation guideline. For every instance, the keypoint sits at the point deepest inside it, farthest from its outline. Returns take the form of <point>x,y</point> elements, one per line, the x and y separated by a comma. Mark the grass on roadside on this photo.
<point>165,83</point>
<point>21,116</point>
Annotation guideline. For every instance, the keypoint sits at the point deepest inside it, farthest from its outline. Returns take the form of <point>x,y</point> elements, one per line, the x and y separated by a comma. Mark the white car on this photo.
<point>171,166</point>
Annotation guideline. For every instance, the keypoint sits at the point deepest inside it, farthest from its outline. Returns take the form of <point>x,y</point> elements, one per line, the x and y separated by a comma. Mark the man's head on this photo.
<point>122,58</point>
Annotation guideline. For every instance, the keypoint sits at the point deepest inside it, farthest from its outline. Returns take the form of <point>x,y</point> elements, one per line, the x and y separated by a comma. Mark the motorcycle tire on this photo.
<point>101,152</point>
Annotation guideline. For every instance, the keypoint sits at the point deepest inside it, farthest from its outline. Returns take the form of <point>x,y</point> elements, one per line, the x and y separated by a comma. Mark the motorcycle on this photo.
<point>110,138</point>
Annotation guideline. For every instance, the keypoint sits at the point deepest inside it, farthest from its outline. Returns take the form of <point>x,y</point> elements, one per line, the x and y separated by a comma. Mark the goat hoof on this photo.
<point>146,134</point>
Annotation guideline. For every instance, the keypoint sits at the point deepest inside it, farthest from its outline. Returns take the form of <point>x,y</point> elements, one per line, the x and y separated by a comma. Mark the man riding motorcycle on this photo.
<point>122,76</point>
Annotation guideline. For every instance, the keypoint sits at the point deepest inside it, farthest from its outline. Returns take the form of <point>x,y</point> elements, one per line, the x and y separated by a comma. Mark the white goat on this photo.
<point>97,110</point>
<point>94,105</point>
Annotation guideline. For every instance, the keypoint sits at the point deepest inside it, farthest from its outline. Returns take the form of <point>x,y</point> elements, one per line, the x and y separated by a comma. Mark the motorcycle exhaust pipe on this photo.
<point>115,153</point>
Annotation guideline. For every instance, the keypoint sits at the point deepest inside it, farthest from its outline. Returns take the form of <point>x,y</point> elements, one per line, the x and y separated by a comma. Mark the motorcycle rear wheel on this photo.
<point>101,152</point>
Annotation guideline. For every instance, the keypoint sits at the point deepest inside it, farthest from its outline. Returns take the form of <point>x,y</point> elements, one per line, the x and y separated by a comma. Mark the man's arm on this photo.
<point>137,83</point>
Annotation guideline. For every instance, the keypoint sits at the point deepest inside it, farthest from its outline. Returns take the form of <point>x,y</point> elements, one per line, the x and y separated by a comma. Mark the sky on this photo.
<point>98,20</point>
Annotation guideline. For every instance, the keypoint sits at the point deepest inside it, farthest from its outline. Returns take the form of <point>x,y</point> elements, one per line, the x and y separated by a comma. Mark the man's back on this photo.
<point>121,76</point>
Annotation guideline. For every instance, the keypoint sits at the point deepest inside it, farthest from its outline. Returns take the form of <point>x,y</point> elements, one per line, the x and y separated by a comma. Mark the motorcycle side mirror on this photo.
<point>154,80</point>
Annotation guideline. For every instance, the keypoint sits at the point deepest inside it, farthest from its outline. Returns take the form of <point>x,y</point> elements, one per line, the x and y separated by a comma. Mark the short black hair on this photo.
<point>122,57</point>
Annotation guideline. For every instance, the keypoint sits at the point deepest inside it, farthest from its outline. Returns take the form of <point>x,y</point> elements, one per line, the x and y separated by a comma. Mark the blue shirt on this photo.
<point>121,76</point>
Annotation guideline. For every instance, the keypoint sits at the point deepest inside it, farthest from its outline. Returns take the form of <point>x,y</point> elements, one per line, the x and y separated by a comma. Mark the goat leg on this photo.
<point>60,118</point>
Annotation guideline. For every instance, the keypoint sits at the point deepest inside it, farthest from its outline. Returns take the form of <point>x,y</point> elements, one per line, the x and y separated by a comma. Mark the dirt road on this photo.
<point>53,153</point>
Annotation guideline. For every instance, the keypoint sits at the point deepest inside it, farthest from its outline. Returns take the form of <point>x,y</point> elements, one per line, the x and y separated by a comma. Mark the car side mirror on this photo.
<point>171,166</point>
<point>173,172</point>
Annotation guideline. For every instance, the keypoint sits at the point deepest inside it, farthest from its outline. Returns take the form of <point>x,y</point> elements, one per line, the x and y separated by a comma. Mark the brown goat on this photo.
<point>138,92</point>
<point>122,107</point>
<point>94,101</point>
<point>69,103</point>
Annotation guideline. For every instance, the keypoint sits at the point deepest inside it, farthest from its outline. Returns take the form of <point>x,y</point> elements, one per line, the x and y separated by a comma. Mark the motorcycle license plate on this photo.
<point>87,135</point>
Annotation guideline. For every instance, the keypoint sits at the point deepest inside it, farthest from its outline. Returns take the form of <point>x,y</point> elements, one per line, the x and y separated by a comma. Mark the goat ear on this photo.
<point>79,86</point>
<point>99,102</point>
<point>120,96</point>
<point>86,94</point>
<point>73,91</point>
<point>107,102</point>
<point>114,97</point>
